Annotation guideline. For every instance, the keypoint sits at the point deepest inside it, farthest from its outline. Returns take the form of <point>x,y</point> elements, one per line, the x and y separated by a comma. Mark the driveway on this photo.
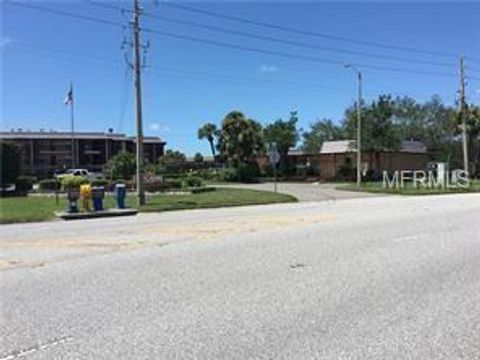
<point>307,191</point>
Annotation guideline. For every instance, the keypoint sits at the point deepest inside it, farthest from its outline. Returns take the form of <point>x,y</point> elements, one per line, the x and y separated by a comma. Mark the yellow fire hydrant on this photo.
<point>85,195</point>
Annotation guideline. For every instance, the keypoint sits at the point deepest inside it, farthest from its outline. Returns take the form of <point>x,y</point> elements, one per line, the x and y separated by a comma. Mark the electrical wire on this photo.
<point>276,39</point>
<point>306,32</point>
<point>238,47</point>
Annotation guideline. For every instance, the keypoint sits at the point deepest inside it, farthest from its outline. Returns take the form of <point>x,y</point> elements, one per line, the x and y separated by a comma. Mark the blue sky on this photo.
<point>186,83</point>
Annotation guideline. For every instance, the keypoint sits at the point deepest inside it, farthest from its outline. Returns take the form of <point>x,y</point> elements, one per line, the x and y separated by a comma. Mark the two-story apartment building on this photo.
<point>43,152</point>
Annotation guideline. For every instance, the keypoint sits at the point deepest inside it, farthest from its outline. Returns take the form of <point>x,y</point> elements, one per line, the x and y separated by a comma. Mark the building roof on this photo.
<point>344,146</point>
<point>82,135</point>
<point>413,147</point>
<point>337,147</point>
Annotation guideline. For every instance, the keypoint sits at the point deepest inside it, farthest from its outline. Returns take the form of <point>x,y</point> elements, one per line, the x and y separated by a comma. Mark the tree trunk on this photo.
<point>212,147</point>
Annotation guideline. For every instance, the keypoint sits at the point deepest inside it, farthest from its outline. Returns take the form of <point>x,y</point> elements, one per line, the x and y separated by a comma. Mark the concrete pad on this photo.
<point>95,214</point>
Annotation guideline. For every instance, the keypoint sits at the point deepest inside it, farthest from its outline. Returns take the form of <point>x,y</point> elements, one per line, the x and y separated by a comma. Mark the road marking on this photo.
<point>21,353</point>
<point>409,238</point>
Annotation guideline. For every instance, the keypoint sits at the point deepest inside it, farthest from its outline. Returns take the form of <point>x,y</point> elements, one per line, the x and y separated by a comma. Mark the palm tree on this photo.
<point>208,131</point>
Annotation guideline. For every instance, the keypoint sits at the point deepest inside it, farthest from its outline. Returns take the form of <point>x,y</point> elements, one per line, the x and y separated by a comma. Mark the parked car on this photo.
<point>91,176</point>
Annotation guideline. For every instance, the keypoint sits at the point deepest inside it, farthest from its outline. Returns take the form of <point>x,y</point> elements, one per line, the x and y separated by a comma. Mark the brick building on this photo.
<point>43,152</point>
<point>336,155</point>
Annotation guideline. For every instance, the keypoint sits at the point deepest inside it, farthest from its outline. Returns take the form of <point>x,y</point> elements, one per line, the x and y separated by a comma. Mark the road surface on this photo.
<point>371,278</point>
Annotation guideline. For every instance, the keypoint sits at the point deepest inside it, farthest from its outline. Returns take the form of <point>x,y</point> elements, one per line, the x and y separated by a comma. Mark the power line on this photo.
<point>293,56</point>
<point>68,14</point>
<point>298,31</point>
<point>34,48</point>
<point>278,40</point>
<point>237,47</point>
<point>306,32</point>
<point>298,43</point>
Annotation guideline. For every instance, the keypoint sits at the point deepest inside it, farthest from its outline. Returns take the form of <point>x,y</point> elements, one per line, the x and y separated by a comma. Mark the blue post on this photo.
<point>98,193</point>
<point>120,193</point>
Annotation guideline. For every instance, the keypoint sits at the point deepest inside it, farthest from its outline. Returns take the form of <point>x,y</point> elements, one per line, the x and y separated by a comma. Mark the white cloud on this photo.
<point>154,126</point>
<point>4,41</point>
<point>158,127</point>
<point>268,69</point>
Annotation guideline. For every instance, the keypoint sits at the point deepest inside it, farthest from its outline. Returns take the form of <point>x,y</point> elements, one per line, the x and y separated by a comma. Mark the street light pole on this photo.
<point>359,123</point>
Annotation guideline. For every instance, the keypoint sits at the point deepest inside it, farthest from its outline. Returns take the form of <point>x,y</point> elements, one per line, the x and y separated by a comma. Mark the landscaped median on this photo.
<point>42,207</point>
<point>409,189</point>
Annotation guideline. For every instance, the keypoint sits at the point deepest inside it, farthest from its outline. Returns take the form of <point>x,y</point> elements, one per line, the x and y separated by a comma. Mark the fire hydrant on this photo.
<point>85,195</point>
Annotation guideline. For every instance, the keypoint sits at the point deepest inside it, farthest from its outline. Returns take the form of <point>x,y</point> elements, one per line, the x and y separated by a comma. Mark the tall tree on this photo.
<point>285,134</point>
<point>321,131</point>
<point>172,157</point>
<point>198,158</point>
<point>379,133</point>
<point>121,166</point>
<point>209,131</point>
<point>10,157</point>
<point>473,126</point>
<point>240,139</point>
<point>440,128</point>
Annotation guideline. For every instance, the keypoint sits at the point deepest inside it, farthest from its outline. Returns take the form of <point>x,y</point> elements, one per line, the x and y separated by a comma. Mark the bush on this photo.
<point>155,185</point>
<point>24,183</point>
<point>101,182</point>
<point>73,182</point>
<point>346,171</point>
<point>312,171</point>
<point>49,185</point>
<point>248,172</point>
<point>207,174</point>
<point>174,184</point>
<point>10,160</point>
<point>120,166</point>
<point>373,175</point>
<point>192,182</point>
<point>227,174</point>
<point>202,190</point>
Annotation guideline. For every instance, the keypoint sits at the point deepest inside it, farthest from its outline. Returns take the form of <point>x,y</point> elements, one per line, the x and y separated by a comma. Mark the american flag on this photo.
<point>69,97</point>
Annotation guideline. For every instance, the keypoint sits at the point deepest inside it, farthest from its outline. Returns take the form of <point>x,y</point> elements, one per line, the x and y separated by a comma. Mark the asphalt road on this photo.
<point>372,278</point>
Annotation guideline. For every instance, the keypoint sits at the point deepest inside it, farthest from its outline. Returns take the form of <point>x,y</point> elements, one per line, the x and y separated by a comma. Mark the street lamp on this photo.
<point>358,73</point>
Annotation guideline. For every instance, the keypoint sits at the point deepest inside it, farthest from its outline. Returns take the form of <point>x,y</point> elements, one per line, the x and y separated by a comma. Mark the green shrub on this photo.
<point>9,162</point>
<point>312,171</point>
<point>100,182</point>
<point>121,166</point>
<point>24,183</point>
<point>174,184</point>
<point>73,182</point>
<point>202,190</point>
<point>192,182</point>
<point>49,185</point>
<point>207,174</point>
<point>248,172</point>
<point>155,186</point>
<point>227,174</point>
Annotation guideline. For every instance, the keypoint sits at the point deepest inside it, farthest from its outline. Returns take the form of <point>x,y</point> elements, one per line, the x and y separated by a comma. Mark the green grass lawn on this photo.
<point>41,208</point>
<point>377,187</point>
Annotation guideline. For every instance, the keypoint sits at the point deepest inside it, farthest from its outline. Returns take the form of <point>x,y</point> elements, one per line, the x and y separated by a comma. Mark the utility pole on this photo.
<point>461,110</point>
<point>359,123</point>
<point>359,130</point>
<point>138,101</point>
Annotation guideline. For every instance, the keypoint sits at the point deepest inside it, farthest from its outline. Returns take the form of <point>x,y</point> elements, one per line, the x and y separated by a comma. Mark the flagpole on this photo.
<point>72,122</point>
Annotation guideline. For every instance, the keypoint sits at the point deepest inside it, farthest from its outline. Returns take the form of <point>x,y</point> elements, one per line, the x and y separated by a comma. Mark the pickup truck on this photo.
<point>81,172</point>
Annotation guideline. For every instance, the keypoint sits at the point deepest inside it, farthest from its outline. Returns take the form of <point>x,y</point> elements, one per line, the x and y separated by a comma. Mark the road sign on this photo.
<point>273,153</point>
